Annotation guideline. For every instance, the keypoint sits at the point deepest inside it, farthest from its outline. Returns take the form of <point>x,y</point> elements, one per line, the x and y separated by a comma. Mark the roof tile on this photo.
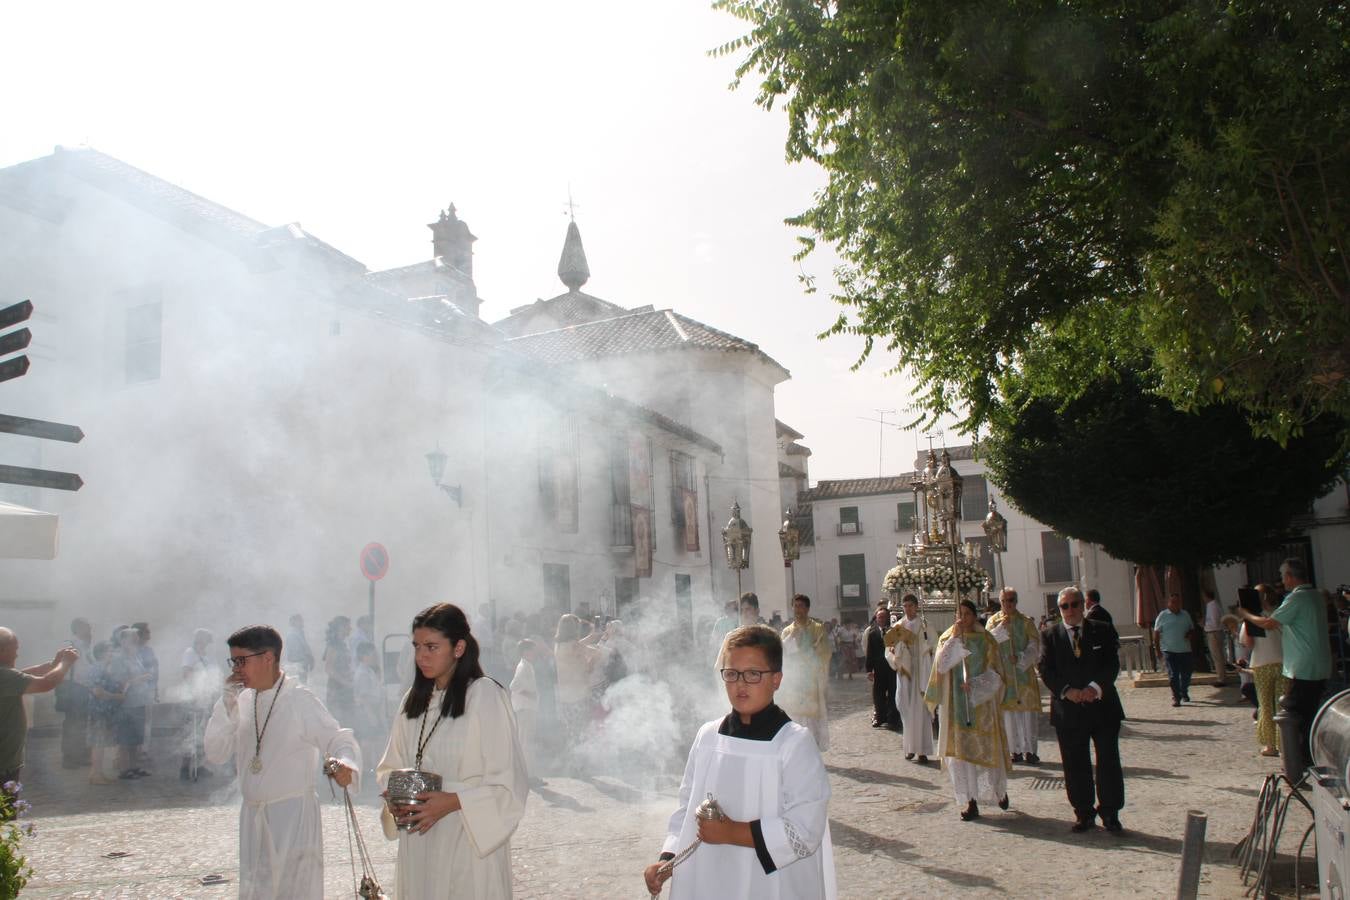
<point>859,487</point>
<point>634,332</point>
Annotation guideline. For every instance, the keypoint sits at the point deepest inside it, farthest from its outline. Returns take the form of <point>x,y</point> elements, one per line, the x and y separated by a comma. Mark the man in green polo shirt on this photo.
<point>14,683</point>
<point>1302,622</point>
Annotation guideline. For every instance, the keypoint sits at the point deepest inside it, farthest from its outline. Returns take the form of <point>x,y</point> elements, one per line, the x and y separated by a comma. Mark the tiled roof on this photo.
<point>571,308</point>
<point>636,332</point>
<point>156,196</point>
<point>436,266</point>
<point>177,206</point>
<point>859,487</point>
<point>293,235</point>
<point>788,430</point>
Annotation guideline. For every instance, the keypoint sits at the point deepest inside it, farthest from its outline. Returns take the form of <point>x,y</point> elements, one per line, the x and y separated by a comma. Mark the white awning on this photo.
<point>27,533</point>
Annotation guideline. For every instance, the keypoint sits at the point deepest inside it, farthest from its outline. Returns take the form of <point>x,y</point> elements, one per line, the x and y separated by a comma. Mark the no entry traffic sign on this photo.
<point>374,561</point>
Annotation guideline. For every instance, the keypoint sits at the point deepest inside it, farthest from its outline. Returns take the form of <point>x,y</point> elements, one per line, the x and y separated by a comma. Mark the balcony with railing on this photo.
<point>851,596</point>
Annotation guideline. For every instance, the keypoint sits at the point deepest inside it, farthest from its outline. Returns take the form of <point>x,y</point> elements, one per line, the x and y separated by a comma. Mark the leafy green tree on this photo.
<point>1052,190</point>
<point>1121,467</point>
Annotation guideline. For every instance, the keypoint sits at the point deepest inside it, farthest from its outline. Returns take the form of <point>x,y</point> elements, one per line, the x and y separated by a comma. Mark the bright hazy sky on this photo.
<point>361,120</point>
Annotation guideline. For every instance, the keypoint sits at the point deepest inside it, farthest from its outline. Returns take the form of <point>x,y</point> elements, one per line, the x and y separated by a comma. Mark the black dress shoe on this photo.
<point>909,756</point>
<point>877,723</point>
<point>1082,824</point>
<point>923,760</point>
<point>1017,757</point>
<point>972,812</point>
<point>1004,804</point>
<point>1033,759</point>
<point>1112,824</point>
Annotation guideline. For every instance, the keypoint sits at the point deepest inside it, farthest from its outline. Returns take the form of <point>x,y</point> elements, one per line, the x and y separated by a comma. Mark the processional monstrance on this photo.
<point>936,564</point>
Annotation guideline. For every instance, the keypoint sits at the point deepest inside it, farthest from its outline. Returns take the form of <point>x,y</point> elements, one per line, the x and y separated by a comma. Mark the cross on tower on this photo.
<point>572,205</point>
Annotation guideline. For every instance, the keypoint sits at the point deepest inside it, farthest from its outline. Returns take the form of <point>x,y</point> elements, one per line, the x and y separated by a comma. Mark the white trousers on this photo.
<point>1021,728</point>
<point>972,782</point>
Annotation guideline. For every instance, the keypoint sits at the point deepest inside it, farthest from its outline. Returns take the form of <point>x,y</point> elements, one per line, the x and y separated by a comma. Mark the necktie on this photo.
<point>1077,647</point>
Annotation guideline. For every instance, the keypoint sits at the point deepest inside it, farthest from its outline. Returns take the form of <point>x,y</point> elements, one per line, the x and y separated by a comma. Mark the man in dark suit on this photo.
<point>1095,610</point>
<point>885,714</point>
<point>1079,663</point>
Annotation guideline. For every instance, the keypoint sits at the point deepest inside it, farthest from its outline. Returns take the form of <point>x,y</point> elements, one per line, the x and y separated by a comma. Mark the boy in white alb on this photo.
<point>279,735</point>
<point>766,775</point>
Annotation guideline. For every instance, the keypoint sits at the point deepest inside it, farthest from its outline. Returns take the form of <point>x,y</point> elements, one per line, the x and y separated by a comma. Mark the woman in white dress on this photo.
<point>458,724</point>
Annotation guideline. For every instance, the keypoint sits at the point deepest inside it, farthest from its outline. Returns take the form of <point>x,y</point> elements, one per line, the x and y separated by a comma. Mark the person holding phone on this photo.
<point>14,683</point>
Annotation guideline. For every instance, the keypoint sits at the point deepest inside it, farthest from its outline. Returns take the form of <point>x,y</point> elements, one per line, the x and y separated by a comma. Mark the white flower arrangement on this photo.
<point>932,577</point>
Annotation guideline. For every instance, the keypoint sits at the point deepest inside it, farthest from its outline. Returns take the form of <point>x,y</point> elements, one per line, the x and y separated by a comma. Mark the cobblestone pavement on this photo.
<point>894,823</point>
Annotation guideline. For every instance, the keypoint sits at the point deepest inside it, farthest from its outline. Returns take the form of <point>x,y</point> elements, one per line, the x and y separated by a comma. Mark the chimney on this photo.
<point>452,241</point>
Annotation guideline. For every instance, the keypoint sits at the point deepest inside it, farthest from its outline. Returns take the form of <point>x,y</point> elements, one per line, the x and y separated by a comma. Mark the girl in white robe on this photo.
<point>464,851</point>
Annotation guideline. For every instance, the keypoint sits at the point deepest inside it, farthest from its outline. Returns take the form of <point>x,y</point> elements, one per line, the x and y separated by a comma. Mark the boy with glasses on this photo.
<point>279,734</point>
<point>766,775</point>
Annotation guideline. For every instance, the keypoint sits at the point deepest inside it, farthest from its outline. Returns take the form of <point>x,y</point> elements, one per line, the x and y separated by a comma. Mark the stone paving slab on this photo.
<point>894,823</point>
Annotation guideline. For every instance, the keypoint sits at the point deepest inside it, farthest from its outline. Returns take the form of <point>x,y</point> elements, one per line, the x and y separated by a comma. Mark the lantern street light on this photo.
<point>436,461</point>
<point>790,538</point>
<point>996,529</point>
<point>736,541</point>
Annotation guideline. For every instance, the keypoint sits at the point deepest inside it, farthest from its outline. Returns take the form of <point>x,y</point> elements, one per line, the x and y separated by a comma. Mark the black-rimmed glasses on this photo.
<point>749,676</point>
<point>237,662</point>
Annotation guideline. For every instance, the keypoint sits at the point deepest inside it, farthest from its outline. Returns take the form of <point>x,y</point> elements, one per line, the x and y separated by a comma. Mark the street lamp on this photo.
<point>736,541</point>
<point>790,538</point>
<point>996,529</point>
<point>436,461</point>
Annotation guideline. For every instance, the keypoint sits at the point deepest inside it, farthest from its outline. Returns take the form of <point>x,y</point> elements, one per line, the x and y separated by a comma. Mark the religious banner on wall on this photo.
<point>689,502</point>
<point>642,541</point>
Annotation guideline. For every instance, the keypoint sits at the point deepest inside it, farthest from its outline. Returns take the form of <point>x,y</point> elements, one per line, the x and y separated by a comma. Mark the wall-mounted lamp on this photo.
<point>436,461</point>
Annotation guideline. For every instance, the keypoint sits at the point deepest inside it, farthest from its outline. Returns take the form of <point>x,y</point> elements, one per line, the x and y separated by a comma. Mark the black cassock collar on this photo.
<point>763,726</point>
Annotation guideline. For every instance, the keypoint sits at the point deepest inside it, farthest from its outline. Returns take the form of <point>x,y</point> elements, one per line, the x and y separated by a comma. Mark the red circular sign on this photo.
<point>374,561</point>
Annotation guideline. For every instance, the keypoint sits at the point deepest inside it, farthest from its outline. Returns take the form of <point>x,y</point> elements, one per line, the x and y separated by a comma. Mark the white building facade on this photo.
<point>259,406</point>
<point>859,523</point>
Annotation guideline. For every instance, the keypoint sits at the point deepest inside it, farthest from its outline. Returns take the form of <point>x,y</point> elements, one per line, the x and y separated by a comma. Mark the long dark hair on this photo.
<point>450,621</point>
